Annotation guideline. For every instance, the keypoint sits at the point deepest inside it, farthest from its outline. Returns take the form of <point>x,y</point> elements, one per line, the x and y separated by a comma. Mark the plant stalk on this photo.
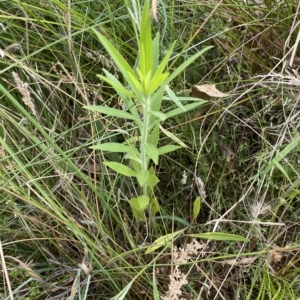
<point>144,137</point>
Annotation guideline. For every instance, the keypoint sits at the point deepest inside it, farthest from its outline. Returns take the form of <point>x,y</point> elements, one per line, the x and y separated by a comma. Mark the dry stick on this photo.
<point>6,273</point>
<point>153,12</point>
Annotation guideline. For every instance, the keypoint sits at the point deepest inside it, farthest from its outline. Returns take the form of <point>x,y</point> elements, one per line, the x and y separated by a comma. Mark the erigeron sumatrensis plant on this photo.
<point>142,95</point>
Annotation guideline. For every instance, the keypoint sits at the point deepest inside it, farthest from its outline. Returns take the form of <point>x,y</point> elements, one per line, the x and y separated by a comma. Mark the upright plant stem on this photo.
<point>144,137</point>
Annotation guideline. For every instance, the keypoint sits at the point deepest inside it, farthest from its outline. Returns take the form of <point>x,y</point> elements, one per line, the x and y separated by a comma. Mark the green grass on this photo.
<point>66,229</point>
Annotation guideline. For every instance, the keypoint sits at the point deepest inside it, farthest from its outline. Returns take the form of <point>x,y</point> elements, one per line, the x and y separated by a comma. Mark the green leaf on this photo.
<point>139,215</point>
<point>164,62</point>
<point>124,95</point>
<point>120,168</point>
<point>147,82</point>
<point>287,149</point>
<point>184,65</point>
<point>152,180</point>
<point>164,241</point>
<point>137,85</point>
<point>154,206</point>
<point>111,112</point>
<point>154,135</point>
<point>115,147</point>
<point>156,295</point>
<point>142,177</point>
<point>219,236</point>
<point>116,85</point>
<point>156,100</point>
<point>155,83</point>
<point>280,168</point>
<point>136,166</point>
<point>140,203</point>
<point>121,295</point>
<point>173,137</point>
<point>155,53</point>
<point>292,194</point>
<point>174,98</point>
<point>188,107</point>
<point>196,208</point>
<point>152,152</point>
<point>118,59</point>
<point>173,219</point>
<point>167,149</point>
<point>133,156</point>
<point>135,160</point>
<point>145,46</point>
<point>159,115</point>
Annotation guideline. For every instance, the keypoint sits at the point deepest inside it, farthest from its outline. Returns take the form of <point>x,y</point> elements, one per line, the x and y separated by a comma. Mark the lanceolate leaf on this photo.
<point>188,107</point>
<point>145,40</point>
<point>159,115</point>
<point>152,152</point>
<point>139,89</point>
<point>155,53</point>
<point>155,83</point>
<point>120,168</point>
<point>115,147</point>
<point>165,240</point>
<point>123,93</point>
<point>118,59</point>
<point>120,62</point>
<point>219,236</point>
<point>156,100</point>
<point>116,85</point>
<point>164,62</point>
<point>183,66</point>
<point>196,208</point>
<point>167,149</point>
<point>111,112</point>
<point>154,135</point>
<point>173,137</point>
<point>133,156</point>
<point>174,98</point>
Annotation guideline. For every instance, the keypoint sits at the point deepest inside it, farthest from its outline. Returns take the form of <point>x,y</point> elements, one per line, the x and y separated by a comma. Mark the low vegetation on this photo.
<point>165,171</point>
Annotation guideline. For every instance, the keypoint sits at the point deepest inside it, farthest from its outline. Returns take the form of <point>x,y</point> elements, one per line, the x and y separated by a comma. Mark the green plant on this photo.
<point>147,85</point>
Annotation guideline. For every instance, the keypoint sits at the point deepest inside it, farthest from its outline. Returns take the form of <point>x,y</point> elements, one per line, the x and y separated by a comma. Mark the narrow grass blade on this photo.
<point>282,154</point>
